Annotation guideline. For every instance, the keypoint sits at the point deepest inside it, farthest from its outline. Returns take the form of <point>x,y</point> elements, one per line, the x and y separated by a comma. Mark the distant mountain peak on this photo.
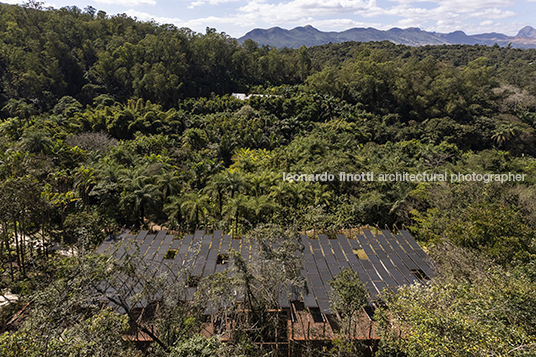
<point>413,36</point>
<point>527,32</point>
<point>305,28</point>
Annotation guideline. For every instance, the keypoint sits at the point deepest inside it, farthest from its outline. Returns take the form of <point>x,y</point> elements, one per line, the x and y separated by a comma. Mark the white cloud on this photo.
<point>493,14</point>
<point>443,14</point>
<point>292,11</point>
<point>127,2</point>
<point>209,2</point>
<point>243,21</point>
<point>20,2</point>
<point>196,3</point>
<point>343,24</point>
<point>474,16</point>
<point>198,25</point>
<point>487,27</point>
<point>143,16</point>
<point>472,5</point>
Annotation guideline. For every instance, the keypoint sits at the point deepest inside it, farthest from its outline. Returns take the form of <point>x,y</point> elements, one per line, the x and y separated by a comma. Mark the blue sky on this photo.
<point>236,17</point>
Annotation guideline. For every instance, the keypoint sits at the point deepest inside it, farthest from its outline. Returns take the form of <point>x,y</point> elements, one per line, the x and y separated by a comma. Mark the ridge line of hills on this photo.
<point>310,36</point>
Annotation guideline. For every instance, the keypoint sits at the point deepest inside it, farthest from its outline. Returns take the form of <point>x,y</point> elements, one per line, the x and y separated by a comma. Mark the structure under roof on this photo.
<point>382,261</point>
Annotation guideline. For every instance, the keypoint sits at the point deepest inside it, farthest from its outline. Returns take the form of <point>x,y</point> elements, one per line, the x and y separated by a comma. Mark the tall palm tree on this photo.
<point>62,200</point>
<point>20,109</point>
<point>174,210</point>
<point>321,196</point>
<point>139,195</point>
<point>281,192</point>
<point>169,183</point>
<point>194,206</point>
<point>300,192</point>
<point>13,128</point>
<point>258,183</point>
<point>216,187</point>
<point>110,171</point>
<point>237,206</point>
<point>147,198</point>
<point>260,206</point>
<point>128,177</point>
<point>504,133</point>
<point>85,178</point>
<point>25,110</point>
<point>235,181</point>
<point>36,142</point>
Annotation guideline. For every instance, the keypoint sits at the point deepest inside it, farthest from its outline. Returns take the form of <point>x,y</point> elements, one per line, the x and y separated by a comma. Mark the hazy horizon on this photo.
<point>237,17</point>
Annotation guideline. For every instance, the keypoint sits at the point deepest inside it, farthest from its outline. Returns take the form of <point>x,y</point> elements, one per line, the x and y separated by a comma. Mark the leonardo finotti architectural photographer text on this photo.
<point>405,176</point>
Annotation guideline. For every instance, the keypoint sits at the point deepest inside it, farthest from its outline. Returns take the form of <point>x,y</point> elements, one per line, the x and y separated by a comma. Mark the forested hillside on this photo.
<point>109,123</point>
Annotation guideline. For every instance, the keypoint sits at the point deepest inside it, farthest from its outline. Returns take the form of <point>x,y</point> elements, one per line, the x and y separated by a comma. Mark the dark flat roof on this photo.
<point>392,259</point>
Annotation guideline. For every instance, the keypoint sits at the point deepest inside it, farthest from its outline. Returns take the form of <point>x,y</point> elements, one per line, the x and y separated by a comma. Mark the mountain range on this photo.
<point>310,36</point>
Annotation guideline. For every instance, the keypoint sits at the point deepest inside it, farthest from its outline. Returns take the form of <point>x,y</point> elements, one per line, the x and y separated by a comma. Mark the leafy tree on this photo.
<point>197,345</point>
<point>498,231</point>
<point>484,317</point>
<point>349,297</point>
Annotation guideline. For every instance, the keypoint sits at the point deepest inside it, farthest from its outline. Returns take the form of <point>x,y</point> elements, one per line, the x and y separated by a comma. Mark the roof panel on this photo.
<point>324,306</point>
<point>367,265</point>
<point>186,241</point>
<point>354,243</point>
<point>401,266</point>
<point>283,299</point>
<point>110,241</point>
<point>380,285</point>
<point>175,244</point>
<point>210,267</point>
<point>197,269</point>
<point>190,294</point>
<point>373,275</point>
<point>141,236</point>
<point>323,258</point>
<point>309,300</point>
<point>397,275</point>
<point>304,239</point>
<point>362,240</point>
<point>326,277</point>
<point>226,241</point>
<point>235,244</point>
<point>339,252</point>
<point>417,254</point>
<point>320,293</point>
<point>244,249</point>
<point>221,267</point>
<point>123,247</point>
<point>316,281</point>
<point>384,242</point>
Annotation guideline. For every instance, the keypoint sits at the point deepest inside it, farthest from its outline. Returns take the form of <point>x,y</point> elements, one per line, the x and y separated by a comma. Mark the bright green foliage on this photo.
<point>196,346</point>
<point>350,293</point>
<point>485,317</point>
<point>497,230</point>
<point>349,298</point>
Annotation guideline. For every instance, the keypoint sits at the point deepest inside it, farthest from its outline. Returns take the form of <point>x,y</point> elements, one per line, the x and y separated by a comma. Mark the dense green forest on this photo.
<point>107,122</point>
